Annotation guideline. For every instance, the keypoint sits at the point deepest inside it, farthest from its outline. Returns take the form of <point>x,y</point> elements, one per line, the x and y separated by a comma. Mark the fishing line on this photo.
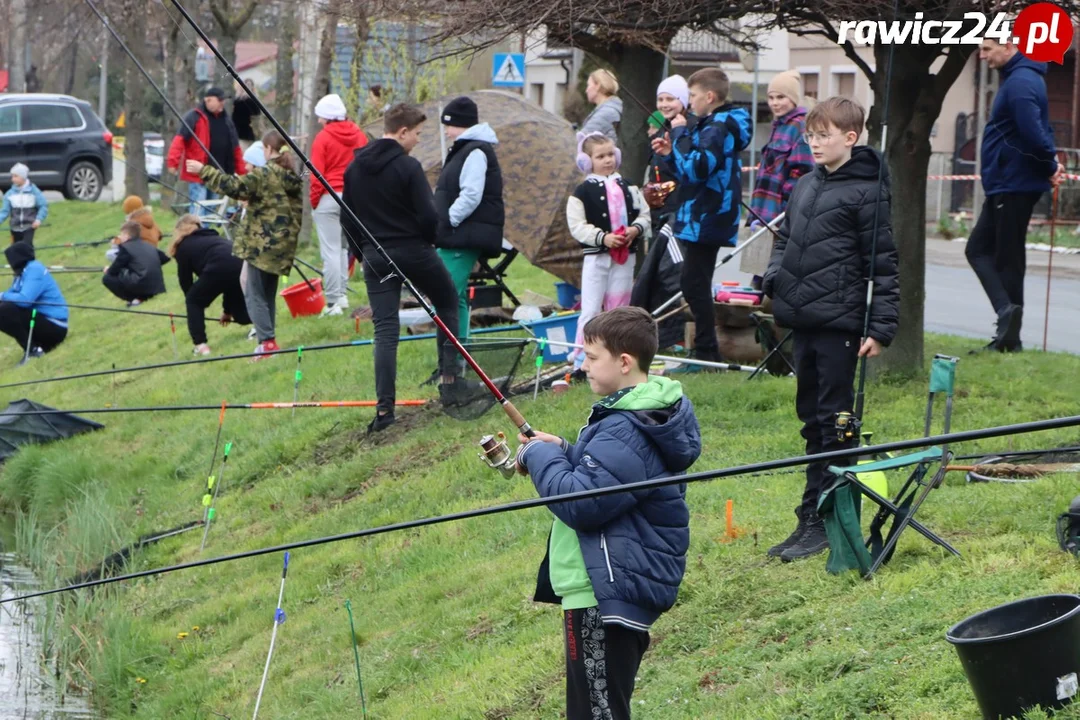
<point>849,454</point>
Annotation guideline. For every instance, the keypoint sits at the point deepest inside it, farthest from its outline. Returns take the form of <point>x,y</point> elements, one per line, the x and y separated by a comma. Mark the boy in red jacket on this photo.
<point>331,153</point>
<point>214,129</point>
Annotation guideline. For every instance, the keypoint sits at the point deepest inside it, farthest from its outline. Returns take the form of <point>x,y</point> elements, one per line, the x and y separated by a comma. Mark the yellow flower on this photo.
<point>141,681</point>
<point>181,635</point>
<point>195,628</point>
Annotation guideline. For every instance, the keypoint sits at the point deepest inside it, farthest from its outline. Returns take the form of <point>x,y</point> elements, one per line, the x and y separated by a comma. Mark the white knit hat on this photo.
<point>331,107</point>
<point>21,170</point>
<point>255,155</point>
<point>676,87</point>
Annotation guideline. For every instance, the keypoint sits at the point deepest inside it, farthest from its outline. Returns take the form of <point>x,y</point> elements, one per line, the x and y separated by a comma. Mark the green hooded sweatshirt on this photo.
<point>566,565</point>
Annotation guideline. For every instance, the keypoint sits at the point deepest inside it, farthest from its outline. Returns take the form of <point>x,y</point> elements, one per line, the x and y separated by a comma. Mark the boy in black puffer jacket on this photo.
<point>817,278</point>
<point>135,275</point>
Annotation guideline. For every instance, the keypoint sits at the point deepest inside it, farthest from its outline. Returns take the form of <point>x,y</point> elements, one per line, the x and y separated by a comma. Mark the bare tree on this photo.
<point>231,22</point>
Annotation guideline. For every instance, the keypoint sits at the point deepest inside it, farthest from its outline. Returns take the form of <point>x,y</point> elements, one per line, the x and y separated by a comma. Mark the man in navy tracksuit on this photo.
<point>1019,164</point>
<point>615,562</point>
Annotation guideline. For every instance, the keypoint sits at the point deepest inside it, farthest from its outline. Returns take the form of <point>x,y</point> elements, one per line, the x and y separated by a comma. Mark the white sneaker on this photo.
<point>343,303</point>
<point>202,349</point>
<point>331,310</point>
<point>252,334</point>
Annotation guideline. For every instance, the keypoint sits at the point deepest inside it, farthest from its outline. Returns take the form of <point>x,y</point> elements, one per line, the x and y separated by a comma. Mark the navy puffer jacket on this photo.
<point>634,544</point>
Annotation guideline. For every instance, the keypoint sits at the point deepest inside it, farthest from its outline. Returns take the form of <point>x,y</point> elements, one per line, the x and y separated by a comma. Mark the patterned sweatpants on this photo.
<point>601,664</point>
<point>605,285</point>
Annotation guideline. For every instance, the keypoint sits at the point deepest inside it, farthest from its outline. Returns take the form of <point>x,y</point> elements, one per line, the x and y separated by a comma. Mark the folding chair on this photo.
<point>774,348</point>
<point>484,275</point>
<point>840,504</point>
<point>216,215</point>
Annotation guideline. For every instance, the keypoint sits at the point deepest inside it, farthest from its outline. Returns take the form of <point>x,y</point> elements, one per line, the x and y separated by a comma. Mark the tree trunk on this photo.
<point>914,106</point>
<point>227,46</point>
<point>639,70</point>
<point>17,49</point>
<point>135,179</point>
<point>322,87</point>
<point>283,83</point>
<point>180,66</point>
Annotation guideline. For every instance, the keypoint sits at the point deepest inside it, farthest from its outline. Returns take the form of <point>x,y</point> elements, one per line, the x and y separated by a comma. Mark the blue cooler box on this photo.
<point>561,328</point>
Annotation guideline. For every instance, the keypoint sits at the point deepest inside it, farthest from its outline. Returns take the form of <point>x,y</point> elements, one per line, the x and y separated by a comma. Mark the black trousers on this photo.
<point>825,363</point>
<point>601,665</point>
<point>422,265</point>
<point>26,236</point>
<point>15,321</point>
<point>996,250</point>
<point>118,288</point>
<point>699,262</point>
<point>205,291</point>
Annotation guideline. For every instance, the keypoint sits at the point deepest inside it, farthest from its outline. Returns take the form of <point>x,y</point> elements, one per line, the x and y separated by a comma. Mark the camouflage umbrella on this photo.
<point>536,152</point>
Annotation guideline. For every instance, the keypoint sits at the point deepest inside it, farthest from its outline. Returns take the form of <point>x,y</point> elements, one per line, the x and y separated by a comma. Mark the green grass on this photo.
<point>444,618</point>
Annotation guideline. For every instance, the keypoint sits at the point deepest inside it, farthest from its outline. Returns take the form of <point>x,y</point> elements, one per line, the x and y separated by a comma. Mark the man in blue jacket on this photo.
<point>1019,164</point>
<point>34,289</point>
<point>615,562</point>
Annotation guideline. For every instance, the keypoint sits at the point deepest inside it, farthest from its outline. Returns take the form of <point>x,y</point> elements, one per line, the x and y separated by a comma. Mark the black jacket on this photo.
<point>821,260</point>
<point>389,194</point>
<point>483,229</point>
<point>138,265</point>
<point>204,252</point>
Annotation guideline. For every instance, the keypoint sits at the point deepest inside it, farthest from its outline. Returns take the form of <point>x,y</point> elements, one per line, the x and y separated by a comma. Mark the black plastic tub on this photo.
<point>1021,654</point>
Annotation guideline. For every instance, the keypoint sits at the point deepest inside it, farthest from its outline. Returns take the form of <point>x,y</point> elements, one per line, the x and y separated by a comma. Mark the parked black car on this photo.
<point>61,140</point>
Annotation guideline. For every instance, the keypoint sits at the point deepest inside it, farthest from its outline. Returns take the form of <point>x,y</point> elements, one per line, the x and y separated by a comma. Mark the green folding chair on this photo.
<point>840,503</point>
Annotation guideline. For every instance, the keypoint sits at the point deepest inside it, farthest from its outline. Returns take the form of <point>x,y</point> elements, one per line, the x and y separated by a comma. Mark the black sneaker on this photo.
<point>812,541</point>
<point>777,550</point>
<point>380,423</point>
<point>35,353</point>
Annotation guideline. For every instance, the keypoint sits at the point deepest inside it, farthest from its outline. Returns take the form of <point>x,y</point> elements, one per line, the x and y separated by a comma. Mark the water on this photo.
<point>27,690</point>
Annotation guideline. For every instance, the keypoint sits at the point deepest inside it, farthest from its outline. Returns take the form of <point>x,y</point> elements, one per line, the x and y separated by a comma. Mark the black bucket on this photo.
<point>1021,654</point>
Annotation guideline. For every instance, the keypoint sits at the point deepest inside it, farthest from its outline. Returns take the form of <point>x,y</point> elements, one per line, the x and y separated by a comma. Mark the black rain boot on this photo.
<point>381,422</point>
<point>776,550</point>
<point>812,541</point>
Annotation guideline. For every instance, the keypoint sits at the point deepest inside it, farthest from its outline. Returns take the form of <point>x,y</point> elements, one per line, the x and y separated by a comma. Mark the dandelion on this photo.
<point>141,681</point>
<point>195,628</point>
<point>181,635</point>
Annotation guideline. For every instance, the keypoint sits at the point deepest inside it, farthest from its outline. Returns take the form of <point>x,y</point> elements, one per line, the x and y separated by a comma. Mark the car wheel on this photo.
<point>84,182</point>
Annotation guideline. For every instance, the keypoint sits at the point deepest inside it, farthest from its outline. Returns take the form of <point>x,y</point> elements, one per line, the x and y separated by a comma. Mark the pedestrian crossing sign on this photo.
<point>508,70</point>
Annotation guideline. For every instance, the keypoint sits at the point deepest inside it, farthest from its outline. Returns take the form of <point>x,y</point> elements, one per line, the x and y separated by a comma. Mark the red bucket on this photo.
<point>302,301</point>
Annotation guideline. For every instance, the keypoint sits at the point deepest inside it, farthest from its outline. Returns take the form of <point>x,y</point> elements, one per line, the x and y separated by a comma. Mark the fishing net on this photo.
<point>500,360</point>
<point>1025,467</point>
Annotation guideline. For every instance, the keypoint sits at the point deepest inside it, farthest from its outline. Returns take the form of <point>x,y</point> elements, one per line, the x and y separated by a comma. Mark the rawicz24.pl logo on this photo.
<point>1042,31</point>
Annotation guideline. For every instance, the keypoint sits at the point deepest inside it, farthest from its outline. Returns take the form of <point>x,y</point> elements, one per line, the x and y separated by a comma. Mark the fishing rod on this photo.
<point>204,204</point>
<point>88,243</point>
<point>114,310</point>
<point>64,271</point>
<point>641,486</point>
<point>66,268</point>
<point>860,397</point>
<point>223,407</point>
<point>512,412</point>
<point>238,356</point>
<point>315,269</point>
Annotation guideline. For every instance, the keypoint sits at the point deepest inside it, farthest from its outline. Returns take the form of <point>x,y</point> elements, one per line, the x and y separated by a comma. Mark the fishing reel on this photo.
<point>848,426</point>
<point>497,454</point>
<point>1068,528</point>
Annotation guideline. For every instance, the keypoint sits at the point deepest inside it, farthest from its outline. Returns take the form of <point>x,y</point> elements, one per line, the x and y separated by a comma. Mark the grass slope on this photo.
<point>444,620</point>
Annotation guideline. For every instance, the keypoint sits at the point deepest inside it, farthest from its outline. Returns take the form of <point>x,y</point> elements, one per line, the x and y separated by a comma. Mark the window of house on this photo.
<point>810,85</point>
<point>845,84</point>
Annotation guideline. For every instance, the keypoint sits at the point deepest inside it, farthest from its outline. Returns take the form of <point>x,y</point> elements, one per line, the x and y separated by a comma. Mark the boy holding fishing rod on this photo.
<point>615,562</point>
<point>817,277</point>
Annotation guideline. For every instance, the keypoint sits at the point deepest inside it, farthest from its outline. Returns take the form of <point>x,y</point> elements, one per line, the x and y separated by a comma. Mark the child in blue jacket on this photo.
<point>709,174</point>
<point>34,288</point>
<point>25,205</point>
<point>615,562</point>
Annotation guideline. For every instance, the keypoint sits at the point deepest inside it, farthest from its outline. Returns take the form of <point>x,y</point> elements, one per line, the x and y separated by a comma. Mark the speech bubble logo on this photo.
<point>1043,32</point>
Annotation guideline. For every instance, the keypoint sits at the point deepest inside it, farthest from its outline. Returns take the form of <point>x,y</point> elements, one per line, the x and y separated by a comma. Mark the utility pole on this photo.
<point>103,81</point>
<point>980,126</point>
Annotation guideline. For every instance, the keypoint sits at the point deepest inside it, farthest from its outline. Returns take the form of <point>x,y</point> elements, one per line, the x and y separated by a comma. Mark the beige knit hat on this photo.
<point>788,84</point>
